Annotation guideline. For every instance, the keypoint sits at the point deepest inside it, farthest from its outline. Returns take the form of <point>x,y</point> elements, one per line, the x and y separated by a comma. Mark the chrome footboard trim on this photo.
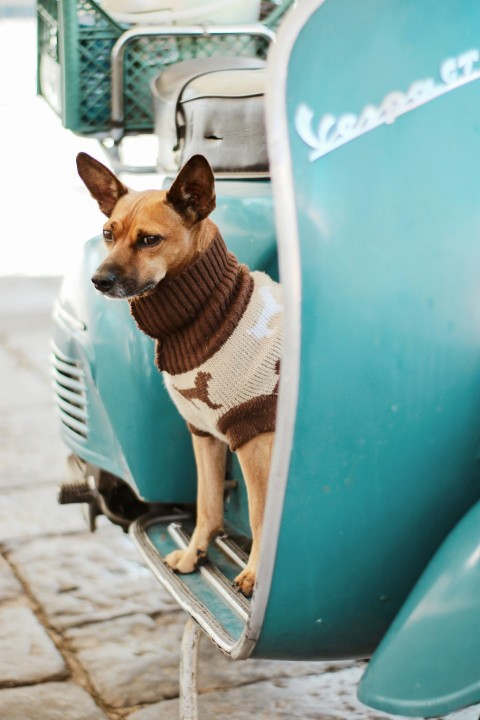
<point>231,550</point>
<point>173,584</point>
<point>212,575</point>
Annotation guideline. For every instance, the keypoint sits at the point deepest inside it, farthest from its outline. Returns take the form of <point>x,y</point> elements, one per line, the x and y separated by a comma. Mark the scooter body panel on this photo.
<point>382,293</point>
<point>428,663</point>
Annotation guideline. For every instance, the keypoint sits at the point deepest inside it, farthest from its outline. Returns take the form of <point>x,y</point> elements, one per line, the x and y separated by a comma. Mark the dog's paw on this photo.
<point>245,582</point>
<point>185,561</point>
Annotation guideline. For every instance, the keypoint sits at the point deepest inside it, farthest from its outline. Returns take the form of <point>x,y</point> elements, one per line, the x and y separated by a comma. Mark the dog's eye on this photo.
<point>150,240</point>
<point>108,235</point>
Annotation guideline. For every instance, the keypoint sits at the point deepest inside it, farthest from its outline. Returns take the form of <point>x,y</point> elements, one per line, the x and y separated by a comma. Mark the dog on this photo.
<point>218,332</point>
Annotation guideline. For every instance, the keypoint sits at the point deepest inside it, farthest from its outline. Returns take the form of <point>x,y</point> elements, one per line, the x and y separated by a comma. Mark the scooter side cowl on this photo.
<point>428,663</point>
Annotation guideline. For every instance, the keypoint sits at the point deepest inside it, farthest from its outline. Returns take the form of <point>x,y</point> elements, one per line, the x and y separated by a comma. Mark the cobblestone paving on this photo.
<point>86,633</point>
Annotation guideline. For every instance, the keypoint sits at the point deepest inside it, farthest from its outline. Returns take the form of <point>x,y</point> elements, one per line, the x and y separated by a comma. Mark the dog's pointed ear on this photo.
<point>104,186</point>
<point>192,194</point>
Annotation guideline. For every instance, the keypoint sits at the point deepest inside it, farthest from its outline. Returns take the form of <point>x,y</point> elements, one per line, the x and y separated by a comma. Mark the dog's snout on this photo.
<point>104,281</point>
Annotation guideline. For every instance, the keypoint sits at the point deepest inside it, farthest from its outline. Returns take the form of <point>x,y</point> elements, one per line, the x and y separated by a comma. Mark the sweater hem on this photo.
<point>253,417</point>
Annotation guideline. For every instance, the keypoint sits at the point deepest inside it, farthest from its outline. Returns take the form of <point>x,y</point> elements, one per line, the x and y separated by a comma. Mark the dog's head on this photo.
<point>152,233</point>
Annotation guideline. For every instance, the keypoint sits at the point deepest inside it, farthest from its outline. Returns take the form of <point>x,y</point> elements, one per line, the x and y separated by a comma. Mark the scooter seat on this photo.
<point>215,107</point>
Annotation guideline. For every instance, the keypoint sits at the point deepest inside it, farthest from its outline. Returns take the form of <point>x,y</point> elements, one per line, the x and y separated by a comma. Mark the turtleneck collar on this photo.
<point>193,314</point>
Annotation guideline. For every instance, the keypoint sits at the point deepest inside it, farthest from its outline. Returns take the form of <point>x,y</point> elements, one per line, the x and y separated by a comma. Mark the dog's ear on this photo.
<point>192,194</point>
<point>104,186</point>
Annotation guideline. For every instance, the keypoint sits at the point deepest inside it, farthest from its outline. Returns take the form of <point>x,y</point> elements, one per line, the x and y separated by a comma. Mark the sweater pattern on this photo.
<point>218,330</point>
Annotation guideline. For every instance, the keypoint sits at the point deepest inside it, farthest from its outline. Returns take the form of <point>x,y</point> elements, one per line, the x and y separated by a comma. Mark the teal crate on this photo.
<point>75,42</point>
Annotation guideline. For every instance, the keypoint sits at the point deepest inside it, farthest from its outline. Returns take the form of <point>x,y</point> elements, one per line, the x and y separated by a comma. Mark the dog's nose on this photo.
<point>104,281</point>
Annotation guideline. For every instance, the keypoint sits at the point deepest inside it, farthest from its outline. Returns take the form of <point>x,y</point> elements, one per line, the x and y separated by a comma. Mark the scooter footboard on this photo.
<point>208,595</point>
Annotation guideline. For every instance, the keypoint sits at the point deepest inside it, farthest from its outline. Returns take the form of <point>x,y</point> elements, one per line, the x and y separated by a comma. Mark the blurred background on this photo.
<point>46,212</point>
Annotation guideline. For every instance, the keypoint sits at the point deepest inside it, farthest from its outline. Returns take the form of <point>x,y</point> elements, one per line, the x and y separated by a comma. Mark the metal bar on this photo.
<point>118,52</point>
<point>56,352</point>
<point>78,427</point>
<point>231,550</point>
<point>189,671</point>
<point>112,151</point>
<point>69,368</point>
<point>68,382</point>
<point>76,399</point>
<point>213,576</point>
<point>277,13</point>
<point>67,318</point>
<point>73,410</point>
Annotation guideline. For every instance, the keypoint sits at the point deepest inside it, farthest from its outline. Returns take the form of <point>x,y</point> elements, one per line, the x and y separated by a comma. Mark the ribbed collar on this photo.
<point>191,315</point>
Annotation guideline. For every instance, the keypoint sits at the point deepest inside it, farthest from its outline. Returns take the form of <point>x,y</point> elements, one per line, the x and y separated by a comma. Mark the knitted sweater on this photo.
<point>218,332</point>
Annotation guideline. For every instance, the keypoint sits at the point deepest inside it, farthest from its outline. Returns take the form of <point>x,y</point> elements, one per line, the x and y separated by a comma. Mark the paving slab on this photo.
<point>29,341</point>
<point>34,511</point>
<point>134,660</point>
<point>49,701</point>
<point>131,660</point>
<point>31,449</point>
<point>24,297</point>
<point>327,696</point>
<point>88,578</point>
<point>24,388</point>
<point>323,697</point>
<point>471,713</point>
<point>26,329</point>
<point>10,588</point>
<point>28,654</point>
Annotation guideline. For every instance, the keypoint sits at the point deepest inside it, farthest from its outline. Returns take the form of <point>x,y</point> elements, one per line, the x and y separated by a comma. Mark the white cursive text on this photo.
<point>332,132</point>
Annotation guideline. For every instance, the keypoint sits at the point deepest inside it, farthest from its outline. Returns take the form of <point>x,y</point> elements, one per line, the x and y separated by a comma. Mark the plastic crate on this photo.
<point>75,41</point>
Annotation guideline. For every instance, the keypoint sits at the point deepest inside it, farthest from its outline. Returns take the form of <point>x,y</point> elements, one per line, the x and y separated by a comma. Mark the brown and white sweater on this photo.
<point>218,329</point>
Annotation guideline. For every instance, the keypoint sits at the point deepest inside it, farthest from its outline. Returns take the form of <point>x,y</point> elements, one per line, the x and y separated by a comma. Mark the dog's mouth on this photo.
<point>148,289</point>
<point>121,289</point>
<point>124,292</point>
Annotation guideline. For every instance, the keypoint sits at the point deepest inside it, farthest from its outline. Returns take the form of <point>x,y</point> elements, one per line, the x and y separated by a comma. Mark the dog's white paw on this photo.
<point>185,561</point>
<point>245,582</point>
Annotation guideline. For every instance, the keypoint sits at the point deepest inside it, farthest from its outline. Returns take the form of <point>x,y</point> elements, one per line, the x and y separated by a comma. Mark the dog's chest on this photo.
<point>245,368</point>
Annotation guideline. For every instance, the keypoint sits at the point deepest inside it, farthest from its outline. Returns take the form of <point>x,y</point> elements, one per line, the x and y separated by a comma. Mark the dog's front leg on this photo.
<point>255,457</point>
<point>210,457</point>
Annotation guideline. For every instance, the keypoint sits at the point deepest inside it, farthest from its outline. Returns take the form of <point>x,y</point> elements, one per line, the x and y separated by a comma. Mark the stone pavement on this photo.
<point>86,632</point>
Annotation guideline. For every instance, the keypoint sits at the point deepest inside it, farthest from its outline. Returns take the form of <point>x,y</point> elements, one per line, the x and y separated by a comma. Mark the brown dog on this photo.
<point>217,327</point>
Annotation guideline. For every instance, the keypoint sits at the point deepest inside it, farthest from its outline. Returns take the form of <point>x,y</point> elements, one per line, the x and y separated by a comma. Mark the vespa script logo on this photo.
<point>332,132</point>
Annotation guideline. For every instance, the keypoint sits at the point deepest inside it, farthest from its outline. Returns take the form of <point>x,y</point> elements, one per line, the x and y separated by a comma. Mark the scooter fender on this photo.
<point>428,664</point>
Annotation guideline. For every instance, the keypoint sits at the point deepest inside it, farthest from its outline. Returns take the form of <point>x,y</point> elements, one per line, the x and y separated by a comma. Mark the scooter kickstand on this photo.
<point>189,671</point>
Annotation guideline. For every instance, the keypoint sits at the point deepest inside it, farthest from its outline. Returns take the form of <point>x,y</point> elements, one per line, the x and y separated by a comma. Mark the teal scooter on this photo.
<point>371,545</point>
